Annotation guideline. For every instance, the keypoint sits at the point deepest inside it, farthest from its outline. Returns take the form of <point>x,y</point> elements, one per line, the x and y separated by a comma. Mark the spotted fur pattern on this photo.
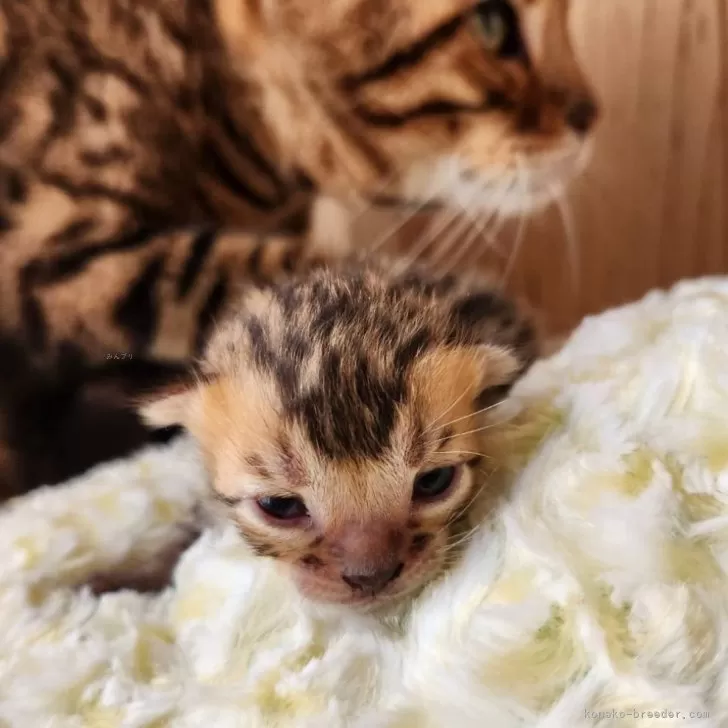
<point>156,156</point>
<point>337,390</point>
<point>340,349</point>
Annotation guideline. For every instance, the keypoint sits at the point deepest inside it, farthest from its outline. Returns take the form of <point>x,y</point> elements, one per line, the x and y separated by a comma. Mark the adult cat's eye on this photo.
<point>283,508</point>
<point>433,483</point>
<point>498,26</point>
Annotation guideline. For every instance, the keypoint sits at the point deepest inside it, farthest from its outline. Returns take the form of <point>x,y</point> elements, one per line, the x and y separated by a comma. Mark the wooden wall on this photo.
<point>653,206</point>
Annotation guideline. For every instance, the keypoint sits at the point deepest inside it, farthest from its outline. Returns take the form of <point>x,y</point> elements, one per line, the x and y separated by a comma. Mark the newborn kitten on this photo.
<point>342,418</point>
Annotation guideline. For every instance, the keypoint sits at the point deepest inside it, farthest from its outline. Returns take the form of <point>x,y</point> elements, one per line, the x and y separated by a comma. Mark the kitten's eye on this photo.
<point>433,483</point>
<point>283,508</point>
<point>498,24</point>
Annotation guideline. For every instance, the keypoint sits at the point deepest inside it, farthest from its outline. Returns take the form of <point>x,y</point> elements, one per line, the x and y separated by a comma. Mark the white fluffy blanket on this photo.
<point>596,595</point>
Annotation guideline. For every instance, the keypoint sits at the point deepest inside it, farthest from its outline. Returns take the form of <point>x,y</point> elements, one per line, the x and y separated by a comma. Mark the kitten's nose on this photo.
<point>581,115</point>
<point>373,581</point>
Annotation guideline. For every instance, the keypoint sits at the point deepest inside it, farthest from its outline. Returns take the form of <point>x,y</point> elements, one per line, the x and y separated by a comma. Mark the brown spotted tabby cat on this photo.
<point>157,154</point>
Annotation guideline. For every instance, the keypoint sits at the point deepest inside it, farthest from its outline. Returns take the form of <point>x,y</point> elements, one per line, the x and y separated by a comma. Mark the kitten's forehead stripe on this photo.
<point>342,352</point>
<point>348,417</point>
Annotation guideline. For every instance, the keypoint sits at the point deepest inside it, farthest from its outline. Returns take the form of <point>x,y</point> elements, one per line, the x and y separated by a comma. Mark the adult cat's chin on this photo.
<point>526,185</point>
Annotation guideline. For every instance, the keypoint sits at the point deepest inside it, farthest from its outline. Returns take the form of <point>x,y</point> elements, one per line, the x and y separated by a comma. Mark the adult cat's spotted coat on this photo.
<point>155,155</point>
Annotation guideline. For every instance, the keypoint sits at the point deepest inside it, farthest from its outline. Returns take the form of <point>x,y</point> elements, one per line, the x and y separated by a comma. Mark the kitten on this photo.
<point>343,419</point>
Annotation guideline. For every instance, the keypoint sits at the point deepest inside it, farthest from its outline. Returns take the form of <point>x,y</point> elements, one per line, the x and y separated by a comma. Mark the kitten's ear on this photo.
<point>167,407</point>
<point>484,373</point>
<point>500,370</point>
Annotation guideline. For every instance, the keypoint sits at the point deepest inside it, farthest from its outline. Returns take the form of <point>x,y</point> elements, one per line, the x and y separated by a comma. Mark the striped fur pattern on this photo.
<point>332,396</point>
<point>156,156</point>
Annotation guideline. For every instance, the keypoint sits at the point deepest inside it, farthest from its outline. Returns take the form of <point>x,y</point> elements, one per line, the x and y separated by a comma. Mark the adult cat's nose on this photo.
<point>581,115</point>
<point>373,581</point>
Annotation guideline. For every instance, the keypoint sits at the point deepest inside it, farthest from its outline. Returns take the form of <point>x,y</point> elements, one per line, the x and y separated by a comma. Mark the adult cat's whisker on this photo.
<point>432,233</point>
<point>494,224</point>
<point>481,225</point>
<point>463,249</point>
<point>451,242</point>
<point>391,233</point>
<point>425,197</point>
<point>524,183</point>
<point>403,217</point>
<point>570,232</point>
<point>408,215</point>
<point>446,221</point>
<point>457,233</point>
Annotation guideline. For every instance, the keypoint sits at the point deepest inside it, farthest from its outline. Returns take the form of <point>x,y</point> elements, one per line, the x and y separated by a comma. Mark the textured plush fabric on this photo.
<point>595,594</point>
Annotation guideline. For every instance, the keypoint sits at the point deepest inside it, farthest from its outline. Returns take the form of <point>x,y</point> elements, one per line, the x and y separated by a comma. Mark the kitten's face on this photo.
<point>341,421</point>
<point>482,103</point>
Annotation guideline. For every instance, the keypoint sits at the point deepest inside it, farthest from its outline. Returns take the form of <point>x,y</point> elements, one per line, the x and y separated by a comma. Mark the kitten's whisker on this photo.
<point>459,541</point>
<point>461,538</point>
<point>479,429</point>
<point>473,414</point>
<point>465,452</point>
<point>435,422</point>
<point>472,497</point>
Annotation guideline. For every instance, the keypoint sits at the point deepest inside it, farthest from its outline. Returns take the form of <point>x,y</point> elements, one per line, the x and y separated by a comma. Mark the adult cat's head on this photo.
<point>481,103</point>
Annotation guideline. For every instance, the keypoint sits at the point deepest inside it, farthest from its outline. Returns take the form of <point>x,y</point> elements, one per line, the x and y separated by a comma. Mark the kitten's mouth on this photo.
<point>326,593</point>
<point>410,580</point>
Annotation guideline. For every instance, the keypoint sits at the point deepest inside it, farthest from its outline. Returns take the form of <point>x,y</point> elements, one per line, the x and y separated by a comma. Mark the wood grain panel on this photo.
<point>651,208</point>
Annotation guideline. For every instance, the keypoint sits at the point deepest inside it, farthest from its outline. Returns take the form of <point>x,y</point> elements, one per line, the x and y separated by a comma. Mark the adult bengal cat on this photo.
<point>157,154</point>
